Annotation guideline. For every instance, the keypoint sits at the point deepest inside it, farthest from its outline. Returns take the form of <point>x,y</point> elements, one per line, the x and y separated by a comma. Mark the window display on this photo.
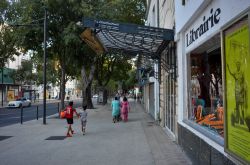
<point>206,90</point>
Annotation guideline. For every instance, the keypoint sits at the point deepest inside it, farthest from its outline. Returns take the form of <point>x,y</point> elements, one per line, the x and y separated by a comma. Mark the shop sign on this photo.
<point>237,89</point>
<point>208,22</point>
<point>11,95</point>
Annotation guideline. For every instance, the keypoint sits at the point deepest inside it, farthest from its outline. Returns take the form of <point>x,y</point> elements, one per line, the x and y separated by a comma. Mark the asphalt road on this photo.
<point>10,116</point>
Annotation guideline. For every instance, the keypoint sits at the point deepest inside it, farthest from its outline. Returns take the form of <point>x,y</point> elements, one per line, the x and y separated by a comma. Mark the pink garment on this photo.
<point>124,110</point>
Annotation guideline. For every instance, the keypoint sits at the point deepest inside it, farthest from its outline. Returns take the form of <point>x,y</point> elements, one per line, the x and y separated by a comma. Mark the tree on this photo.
<point>24,74</point>
<point>7,41</point>
<point>64,43</point>
<point>113,66</point>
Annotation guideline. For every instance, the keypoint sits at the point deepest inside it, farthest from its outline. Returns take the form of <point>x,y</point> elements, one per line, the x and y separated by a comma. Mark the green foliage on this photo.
<point>3,8</point>
<point>52,69</point>
<point>65,49</point>
<point>7,39</point>
<point>24,74</point>
<point>7,45</point>
<point>115,67</point>
<point>131,81</point>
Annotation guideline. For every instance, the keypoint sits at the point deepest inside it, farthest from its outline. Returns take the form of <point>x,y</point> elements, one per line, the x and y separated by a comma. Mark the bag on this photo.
<point>62,114</point>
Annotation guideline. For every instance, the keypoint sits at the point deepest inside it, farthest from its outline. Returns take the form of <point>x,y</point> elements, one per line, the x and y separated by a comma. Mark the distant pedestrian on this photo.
<point>115,109</point>
<point>83,114</point>
<point>125,109</point>
<point>69,116</point>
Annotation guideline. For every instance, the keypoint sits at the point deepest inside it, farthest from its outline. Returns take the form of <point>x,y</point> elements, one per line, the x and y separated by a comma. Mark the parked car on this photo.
<point>18,103</point>
<point>95,96</point>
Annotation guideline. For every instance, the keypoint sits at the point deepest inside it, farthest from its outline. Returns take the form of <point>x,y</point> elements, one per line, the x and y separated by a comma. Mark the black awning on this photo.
<point>131,39</point>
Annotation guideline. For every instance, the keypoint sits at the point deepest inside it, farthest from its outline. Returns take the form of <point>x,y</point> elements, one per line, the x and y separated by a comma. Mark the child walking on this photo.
<point>69,116</point>
<point>83,115</point>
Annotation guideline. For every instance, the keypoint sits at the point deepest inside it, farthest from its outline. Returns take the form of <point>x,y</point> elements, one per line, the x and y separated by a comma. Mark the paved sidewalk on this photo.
<point>137,142</point>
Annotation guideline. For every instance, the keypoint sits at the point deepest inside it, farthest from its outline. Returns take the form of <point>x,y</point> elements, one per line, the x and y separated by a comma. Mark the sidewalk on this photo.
<point>137,142</point>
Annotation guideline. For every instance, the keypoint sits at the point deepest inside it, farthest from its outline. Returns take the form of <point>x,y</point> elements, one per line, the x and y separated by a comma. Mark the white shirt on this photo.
<point>84,115</point>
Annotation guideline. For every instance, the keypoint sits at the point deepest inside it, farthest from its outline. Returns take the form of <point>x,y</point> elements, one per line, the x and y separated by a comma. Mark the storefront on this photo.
<point>213,54</point>
<point>168,89</point>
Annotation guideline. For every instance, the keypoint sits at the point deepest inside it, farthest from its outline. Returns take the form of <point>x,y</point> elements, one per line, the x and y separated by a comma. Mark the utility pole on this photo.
<point>44,65</point>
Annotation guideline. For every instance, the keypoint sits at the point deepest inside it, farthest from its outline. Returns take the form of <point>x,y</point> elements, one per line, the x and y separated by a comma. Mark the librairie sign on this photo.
<point>207,23</point>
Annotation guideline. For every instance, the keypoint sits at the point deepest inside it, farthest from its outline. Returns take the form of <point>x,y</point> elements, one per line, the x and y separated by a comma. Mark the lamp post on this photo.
<point>44,65</point>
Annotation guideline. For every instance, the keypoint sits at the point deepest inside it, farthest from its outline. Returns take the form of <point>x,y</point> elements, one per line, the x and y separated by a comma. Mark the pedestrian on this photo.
<point>83,114</point>
<point>115,109</point>
<point>125,109</point>
<point>69,113</point>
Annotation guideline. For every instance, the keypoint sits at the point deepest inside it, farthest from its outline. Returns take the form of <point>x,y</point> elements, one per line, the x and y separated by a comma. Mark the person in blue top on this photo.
<point>115,109</point>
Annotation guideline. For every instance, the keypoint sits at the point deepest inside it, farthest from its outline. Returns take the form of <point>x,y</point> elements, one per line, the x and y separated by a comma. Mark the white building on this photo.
<point>200,95</point>
<point>212,38</point>
<point>159,94</point>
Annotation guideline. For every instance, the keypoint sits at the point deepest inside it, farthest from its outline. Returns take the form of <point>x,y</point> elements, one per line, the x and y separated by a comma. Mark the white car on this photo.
<point>95,96</point>
<point>22,102</point>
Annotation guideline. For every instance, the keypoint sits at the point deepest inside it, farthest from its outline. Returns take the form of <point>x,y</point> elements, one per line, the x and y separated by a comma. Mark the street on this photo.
<point>10,116</point>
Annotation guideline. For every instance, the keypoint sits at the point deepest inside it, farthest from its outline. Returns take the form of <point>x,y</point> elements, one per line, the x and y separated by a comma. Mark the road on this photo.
<point>10,116</point>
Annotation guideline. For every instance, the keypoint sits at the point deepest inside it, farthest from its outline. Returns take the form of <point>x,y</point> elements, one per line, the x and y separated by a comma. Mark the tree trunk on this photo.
<point>105,96</point>
<point>86,90</point>
<point>86,97</point>
<point>89,97</point>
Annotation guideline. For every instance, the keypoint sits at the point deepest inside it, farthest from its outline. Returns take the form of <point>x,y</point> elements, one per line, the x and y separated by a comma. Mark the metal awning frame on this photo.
<point>130,39</point>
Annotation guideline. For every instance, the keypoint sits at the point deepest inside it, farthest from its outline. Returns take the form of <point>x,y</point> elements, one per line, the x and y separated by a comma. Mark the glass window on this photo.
<point>206,89</point>
<point>170,109</point>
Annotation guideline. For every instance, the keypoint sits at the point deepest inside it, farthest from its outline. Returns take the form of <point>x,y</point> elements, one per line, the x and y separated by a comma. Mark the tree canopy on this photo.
<point>65,48</point>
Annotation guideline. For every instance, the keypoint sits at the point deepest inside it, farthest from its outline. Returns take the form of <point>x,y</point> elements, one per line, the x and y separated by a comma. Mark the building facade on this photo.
<point>199,94</point>
<point>162,103</point>
<point>212,40</point>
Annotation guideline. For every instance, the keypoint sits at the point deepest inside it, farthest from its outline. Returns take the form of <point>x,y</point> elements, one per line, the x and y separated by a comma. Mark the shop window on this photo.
<point>170,87</point>
<point>206,90</point>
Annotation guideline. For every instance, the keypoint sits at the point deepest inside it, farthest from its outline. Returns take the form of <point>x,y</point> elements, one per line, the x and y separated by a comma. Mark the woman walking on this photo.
<point>115,109</point>
<point>125,109</point>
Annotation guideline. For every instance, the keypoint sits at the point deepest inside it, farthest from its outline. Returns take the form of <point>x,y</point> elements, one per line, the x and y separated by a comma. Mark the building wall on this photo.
<point>166,20</point>
<point>153,20</point>
<point>166,8</point>
<point>200,145</point>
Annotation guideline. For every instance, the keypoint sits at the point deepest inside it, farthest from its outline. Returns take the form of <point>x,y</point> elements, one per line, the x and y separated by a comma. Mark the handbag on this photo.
<point>62,114</point>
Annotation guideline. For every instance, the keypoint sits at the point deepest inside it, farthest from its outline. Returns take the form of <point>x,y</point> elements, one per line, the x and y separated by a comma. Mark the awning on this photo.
<point>131,39</point>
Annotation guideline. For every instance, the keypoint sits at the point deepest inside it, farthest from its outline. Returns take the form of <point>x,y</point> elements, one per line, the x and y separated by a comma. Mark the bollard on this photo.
<point>22,115</point>
<point>58,109</point>
<point>37,112</point>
